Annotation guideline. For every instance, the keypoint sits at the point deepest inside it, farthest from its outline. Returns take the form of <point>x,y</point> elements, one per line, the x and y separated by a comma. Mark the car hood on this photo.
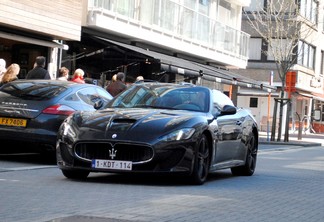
<point>134,124</point>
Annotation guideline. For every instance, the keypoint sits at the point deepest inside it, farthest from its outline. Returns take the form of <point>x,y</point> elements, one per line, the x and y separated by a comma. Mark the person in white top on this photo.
<point>63,74</point>
<point>2,68</point>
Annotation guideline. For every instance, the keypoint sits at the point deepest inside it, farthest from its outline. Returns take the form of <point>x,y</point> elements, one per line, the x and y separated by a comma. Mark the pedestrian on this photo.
<point>78,76</point>
<point>39,72</point>
<point>114,78</point>
<point>2,68</point>
<point>139,79</point>
<point>11,74</point>
<point>115,87</point>
<point>63,74</point>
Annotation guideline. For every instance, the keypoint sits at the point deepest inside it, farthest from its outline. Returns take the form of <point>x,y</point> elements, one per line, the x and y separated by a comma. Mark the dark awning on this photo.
<point>30,40</point>
<point>194,69</point>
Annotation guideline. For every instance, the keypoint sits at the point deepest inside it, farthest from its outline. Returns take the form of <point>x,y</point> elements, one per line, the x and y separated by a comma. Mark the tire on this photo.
<point>76,174</point>
<point>202,162</point>
<point>250,161</point>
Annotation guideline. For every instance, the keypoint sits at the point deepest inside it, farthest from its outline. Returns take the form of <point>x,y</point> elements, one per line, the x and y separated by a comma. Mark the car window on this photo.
<point>104,94</point>
<point>184,98</point>
<point>220,99</point>
<point>134,97</point>
<point>91,94</point>
<point>87,95</point>
<point>33,90</point>
<point>192,98</point>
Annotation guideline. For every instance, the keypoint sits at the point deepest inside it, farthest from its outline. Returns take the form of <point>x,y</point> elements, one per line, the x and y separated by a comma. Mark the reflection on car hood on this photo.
<point>130,124</point>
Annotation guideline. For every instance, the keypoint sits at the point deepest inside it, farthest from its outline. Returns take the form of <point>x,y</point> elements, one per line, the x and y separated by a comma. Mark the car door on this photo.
<point>229,130</point>
<point>229,137</point>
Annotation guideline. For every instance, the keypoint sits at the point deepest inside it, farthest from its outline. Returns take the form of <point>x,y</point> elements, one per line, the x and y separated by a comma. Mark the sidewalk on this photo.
<point>309,139</point>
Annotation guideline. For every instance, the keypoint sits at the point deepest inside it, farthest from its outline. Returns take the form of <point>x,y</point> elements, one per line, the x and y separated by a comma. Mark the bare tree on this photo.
<point>280,25</point>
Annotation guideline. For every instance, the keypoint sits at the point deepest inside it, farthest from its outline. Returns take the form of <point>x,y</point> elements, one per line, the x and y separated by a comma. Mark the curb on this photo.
<point>292,143</point>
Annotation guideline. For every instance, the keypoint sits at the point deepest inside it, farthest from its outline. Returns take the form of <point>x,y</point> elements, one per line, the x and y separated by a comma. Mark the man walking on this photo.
<point>39,72</point>
<point>115,87</point>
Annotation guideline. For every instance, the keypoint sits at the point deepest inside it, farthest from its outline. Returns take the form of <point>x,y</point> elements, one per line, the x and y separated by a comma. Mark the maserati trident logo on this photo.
<point>112,153</point>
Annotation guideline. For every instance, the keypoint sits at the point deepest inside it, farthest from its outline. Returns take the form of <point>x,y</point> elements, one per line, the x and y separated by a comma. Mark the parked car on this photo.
<point>160,128</point>
<point>33,110</point>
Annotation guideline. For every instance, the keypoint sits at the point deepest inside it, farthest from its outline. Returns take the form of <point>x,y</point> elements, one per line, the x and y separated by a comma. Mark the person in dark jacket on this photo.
<point>39,72</point>
<point>115,87</point>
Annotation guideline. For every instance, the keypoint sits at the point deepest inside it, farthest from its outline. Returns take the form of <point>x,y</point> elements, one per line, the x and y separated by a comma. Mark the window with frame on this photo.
<point>253,102</point>
<point>306,55</point>
<point>255,5</point>
<point>308,9</point>
<point>255,48</point>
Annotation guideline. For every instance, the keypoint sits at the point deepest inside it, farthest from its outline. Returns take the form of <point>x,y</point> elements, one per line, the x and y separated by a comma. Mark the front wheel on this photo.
<point>202,162</point>
<point>76,174</point>
<point>250,162</point>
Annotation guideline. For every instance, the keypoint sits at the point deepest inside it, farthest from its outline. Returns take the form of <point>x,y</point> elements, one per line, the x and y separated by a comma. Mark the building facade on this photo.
<point>37,27</point>
<point>307,99</point>
<point>165,40</point>
<point>175,40</point>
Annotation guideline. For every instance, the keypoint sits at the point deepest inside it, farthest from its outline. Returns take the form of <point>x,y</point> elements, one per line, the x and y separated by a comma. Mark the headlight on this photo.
<point>182,134</point>
<point>67,130</point>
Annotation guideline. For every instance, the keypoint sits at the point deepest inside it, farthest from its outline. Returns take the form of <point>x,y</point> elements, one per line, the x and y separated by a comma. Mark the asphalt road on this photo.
<point>287,186</point>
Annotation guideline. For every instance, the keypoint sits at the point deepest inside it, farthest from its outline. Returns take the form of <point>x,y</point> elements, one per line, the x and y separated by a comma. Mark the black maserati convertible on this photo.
<point>160,128</point>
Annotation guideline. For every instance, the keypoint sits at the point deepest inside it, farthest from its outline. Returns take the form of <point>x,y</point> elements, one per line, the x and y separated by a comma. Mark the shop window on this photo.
<point>253,102</point>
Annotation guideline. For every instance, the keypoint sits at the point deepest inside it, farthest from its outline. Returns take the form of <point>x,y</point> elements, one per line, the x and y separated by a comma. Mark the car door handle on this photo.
<point>238,122</point>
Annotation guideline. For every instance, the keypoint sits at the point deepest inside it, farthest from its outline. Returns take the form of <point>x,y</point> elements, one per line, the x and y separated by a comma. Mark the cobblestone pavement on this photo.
<point>287,186</point>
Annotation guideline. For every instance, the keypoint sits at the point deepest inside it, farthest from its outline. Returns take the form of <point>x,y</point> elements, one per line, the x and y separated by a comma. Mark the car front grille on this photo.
<point>117,151</point>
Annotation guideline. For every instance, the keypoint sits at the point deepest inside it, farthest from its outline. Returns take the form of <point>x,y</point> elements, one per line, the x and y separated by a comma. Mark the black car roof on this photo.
<point>68,84</point>
<point>49,81</point>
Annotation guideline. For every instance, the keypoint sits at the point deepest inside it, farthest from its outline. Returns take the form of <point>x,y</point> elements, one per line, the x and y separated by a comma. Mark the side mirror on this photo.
<point>98,104</point>
<point>317,115</point>
<point>228,110</point>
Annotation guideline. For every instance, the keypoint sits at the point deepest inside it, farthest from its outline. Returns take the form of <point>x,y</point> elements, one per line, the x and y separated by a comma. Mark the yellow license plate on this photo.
<point>13,122</point>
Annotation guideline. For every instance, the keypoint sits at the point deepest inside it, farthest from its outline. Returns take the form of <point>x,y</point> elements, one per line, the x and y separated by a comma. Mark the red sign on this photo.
<point>290,82</point>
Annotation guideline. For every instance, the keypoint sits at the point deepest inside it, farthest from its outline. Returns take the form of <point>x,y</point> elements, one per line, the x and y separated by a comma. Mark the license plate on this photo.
<point>13,122</point>
<point>112,164</point>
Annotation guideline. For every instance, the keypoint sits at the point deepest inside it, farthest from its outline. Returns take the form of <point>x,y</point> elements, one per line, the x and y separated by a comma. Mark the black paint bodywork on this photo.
<point>137,131</point>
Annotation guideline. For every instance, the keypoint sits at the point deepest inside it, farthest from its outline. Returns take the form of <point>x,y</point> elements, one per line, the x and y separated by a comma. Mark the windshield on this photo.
<point>163,96</point>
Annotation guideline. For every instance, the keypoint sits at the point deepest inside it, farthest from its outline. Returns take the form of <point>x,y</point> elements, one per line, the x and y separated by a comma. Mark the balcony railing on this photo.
<point>167,16</point>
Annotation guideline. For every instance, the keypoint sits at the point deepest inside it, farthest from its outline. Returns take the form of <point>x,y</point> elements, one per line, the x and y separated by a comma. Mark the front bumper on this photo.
<point>175,157</point>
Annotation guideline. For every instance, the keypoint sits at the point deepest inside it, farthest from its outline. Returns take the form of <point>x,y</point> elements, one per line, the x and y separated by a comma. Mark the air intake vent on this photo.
<point>119,125</point>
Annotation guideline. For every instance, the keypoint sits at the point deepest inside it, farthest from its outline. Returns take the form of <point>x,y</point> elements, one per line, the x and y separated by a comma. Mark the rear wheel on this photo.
<point>202,162</point>
<point>251,157</point>
<point>76,174</point>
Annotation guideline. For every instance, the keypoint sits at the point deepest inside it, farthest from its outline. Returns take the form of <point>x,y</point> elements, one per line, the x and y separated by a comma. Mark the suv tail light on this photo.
<point>58,109</point>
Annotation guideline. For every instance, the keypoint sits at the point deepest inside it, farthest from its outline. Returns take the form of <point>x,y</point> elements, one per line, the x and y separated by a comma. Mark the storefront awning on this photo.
<point>319,97</point>
<point>256,92</point>
<point>30,40</point>
<point>194,69</point>
<point>314,96</point>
